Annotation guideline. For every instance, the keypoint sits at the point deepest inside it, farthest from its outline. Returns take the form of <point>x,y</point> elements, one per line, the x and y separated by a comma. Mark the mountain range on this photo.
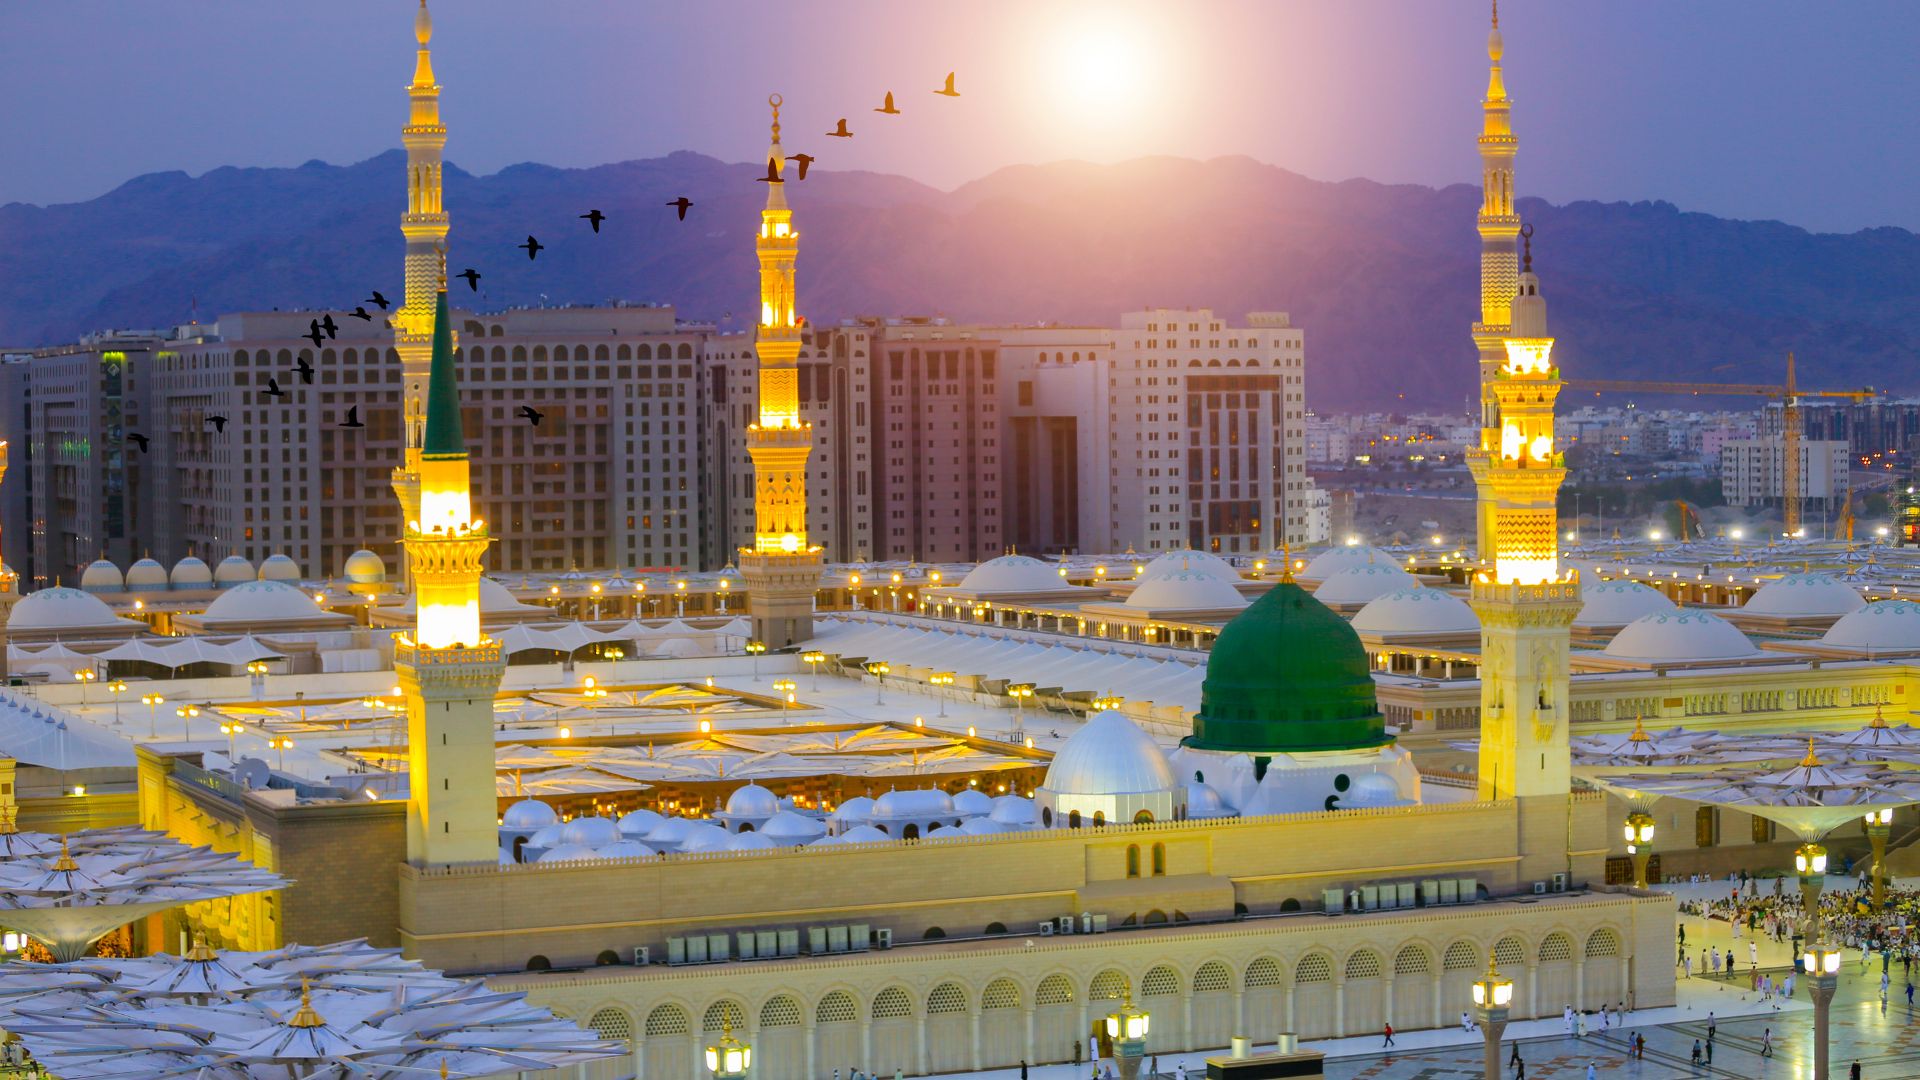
<point>1383,278</point>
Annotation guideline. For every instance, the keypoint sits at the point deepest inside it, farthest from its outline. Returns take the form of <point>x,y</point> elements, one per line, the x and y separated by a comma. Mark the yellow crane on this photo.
<point>1788,394</point>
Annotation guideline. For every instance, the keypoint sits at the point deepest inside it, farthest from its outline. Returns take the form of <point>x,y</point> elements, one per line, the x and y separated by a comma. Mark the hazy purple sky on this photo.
<point>1803,111</point>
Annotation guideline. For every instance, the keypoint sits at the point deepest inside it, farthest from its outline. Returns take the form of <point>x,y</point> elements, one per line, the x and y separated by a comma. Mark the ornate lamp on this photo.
<point>1127,1027</point>
<point>1821,962</point>
<point>878,669</point>
<point>1492,994</point>
<point>1810,862</point>
<point>941,679</point>
<point>813,658</point>
<point>1879,825</point>
<point>1639,833</point>
<point>754,648</point>
<point>729,1058</point>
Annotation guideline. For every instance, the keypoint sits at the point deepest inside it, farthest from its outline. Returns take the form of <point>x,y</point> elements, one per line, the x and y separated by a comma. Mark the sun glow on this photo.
<point>1101,68</point>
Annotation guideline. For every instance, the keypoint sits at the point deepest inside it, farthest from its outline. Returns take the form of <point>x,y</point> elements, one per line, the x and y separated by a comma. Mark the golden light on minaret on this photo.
<point>425,224</point>
<point>1526,472</point>
<point>1499,228</point>
<point>781,569</point>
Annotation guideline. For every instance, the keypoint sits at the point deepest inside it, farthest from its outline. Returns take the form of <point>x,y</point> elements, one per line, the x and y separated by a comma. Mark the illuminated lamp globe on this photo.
<point>789,543</point>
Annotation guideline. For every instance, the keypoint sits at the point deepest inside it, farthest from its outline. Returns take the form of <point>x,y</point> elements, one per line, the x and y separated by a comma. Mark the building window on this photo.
<point>1133,860</point>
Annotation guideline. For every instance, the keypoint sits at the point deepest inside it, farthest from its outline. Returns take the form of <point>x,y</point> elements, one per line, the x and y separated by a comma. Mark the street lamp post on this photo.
<point>1127,1028</point>
<point>1810,862</point>
<point>280,743</point>
<point>85,677</point>
<point>1491,996</point>
<point>1020,692</point>
<point>1821,962</point>
<point>1639,831</point>
<point>754,648</point>
<point>257,679</point>
<point>153,703</point>
<point>232,732</point>
<point>187,714</point>
<point>1879,824</point>
<point>878,669</point>
<point>853,591</point>
<point>814,658</point>
<point>729,1058</point>
<point>785,688</point>
<point>117,688</point>
<point>941,680</point>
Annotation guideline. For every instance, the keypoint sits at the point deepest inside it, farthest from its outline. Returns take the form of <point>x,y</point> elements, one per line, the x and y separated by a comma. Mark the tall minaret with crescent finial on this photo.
<point>781,570</point>
<point>424,224</point>
<point>1499,229</point>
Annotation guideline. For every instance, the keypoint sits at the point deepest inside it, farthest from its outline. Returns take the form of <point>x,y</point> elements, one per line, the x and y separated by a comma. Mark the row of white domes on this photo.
<point>147,575</point>
<point>65,609</point>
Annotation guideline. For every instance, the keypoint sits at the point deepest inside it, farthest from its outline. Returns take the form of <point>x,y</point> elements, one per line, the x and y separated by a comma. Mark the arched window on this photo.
<point>1263,972</point>
<point>1155,917</point>
<point>1603,942</point>
<point>1313,969</point>
<point>1144,817</point>
<point>1160,981</point>
<point>835,1008</point>
<point>1212,978</point>
<point>892,1003</point>
<point>1000,994</point>
<point>910,832</point>
<point>781,1011</point>
<point>724,1014</point>
<point>1159,860</point>
<point>1509,953</point>
<point>1053,990</point>
<point>611,1024</point>
<point>1412,960</point>
<point>1460,956</point>
<point>946,998</point>
<point>933,933</point>
<point>606,957</point>
<point>1557,946</point>
<point>1133,860</point>
<point>537,962</point>
<point>1099,819</point>
<point>1073,819</point>
<point>666,1020</point>
<point>1108,984</point>
<point>1364,964</point>
<point>996,928</point>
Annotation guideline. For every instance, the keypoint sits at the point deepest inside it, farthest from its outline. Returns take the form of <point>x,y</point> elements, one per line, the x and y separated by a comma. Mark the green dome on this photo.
<point>1287,675</point>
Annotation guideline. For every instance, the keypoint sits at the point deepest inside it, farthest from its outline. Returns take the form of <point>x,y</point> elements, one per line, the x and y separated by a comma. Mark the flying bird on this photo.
<point>327,324</point>
<point>314,334</point>
<point>888,107</point>
<point>473,278</point>
<point>273,388</point>
<point>377,300</point>
<point>804,160</point>
<point>841,132</point>
<point>533,415</point>
<point>138,440</point>
<point>353,417</point>
<point>360,313</point>
<point>773,174</point>
<point>594,217</point>
<point>219,422</point>
<point>304,369</point>
<point>532,248</point>
<point>681,204</point>
<point>948,91</point>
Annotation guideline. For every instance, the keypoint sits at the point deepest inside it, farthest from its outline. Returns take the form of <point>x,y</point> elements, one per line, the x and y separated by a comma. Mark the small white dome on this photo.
<point>547,837</point>
<point>670,831</point>
<point>146,575</point>
<point>639,822</point>
<point>593,832</point>
<point>1345,557</point>
<point>1371,789</point>
<point>1013,810</point>
<point>864,834</point>
<point>363,567</point>
<point>101,576</point>
<point>703,837</point>
<point>753,841</point>
<point>917,803</point>
<point>1804,595</point>
<point>1185,590</point>
<point>791,827</point>
<point>1013,574</point>
<point>1883,624</point>
<point>262,601</point>
<point>1416,611</point>
<point>279,568</point>
<point>824,841</point>
<point>1204,802</point>
<point>625,849</point>
<point>529,814</point>
<point>1361,584</point>
<point>568,853</point>
<point>1109,756</point>
<point>61,608</point>
<point>1189,561</point>
<point>233,570</point>
<point>980,826</point>
<point>973,801</point>
<point>1680,636</point>
<point>191,573</point>
<point>1617,603</point>
<point>858,808</point>
<point>753,801</point>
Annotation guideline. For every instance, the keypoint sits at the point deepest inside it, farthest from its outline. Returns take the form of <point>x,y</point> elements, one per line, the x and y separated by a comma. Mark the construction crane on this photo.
<point>1689,520</point>
<point>1788,394</point>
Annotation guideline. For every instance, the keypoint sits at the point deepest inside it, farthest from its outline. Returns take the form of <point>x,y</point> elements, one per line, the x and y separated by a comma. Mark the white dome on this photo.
<point>789,826</point>
<point>61,608</point>
<point>568,853</point>
<point>363,567</point>
<point>1416,611</point>
<point>147,575</point>
<point>233,570</point>
<point>980,826</point>
<point>973,801</point>
<point>1204,802</point>
<point>639,822</point>
<point>1345,557</point>
<point>529,814</point>
<point>670,831</point>
<point>1013,573</point>
<point>864,834</point>
<point>1883,624</point>
<point>495,597</point>
<point>1617,603</point>
<point>1109,756</point>
<point>1187,560</point>
<point>1013,810</point>
<point>1372,789</point>
<point>191,573</point>
<point>918,803</point>
<point>752,841</point>
<point>625,849</point>
<point>1682,635</point>
<point>824,841</point>
<point>858,808</point>
<point>263,601</point>
<point>753,801</point>
<point>547,837</point>
<point>1804,594</point>
<point>279,568</point>
<point>1365,583</point>
<point>593,832</point>
<point>703,837</point>
<point>101,576</point>
<point>1185,590</point>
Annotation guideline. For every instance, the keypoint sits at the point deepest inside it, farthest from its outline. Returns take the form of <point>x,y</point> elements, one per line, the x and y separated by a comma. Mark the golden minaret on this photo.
<point>9,593</point>
<point>1499,264</point>
<point>781,570</point>
<point>424,224</point>
<point>448,669</point>
<point>1525,601</point>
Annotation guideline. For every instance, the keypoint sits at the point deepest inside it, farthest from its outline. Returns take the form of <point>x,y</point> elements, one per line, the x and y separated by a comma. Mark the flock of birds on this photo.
<point>324,329</point>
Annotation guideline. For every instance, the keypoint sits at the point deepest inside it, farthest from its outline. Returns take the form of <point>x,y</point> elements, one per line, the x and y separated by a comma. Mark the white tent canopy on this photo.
<point>35,733</point>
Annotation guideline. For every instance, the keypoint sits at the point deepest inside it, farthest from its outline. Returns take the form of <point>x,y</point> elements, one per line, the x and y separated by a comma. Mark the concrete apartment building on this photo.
<point>1750,471</point>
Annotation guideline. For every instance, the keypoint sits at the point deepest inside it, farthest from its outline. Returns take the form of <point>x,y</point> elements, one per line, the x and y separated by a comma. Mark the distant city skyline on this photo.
<point>1744,110</point>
